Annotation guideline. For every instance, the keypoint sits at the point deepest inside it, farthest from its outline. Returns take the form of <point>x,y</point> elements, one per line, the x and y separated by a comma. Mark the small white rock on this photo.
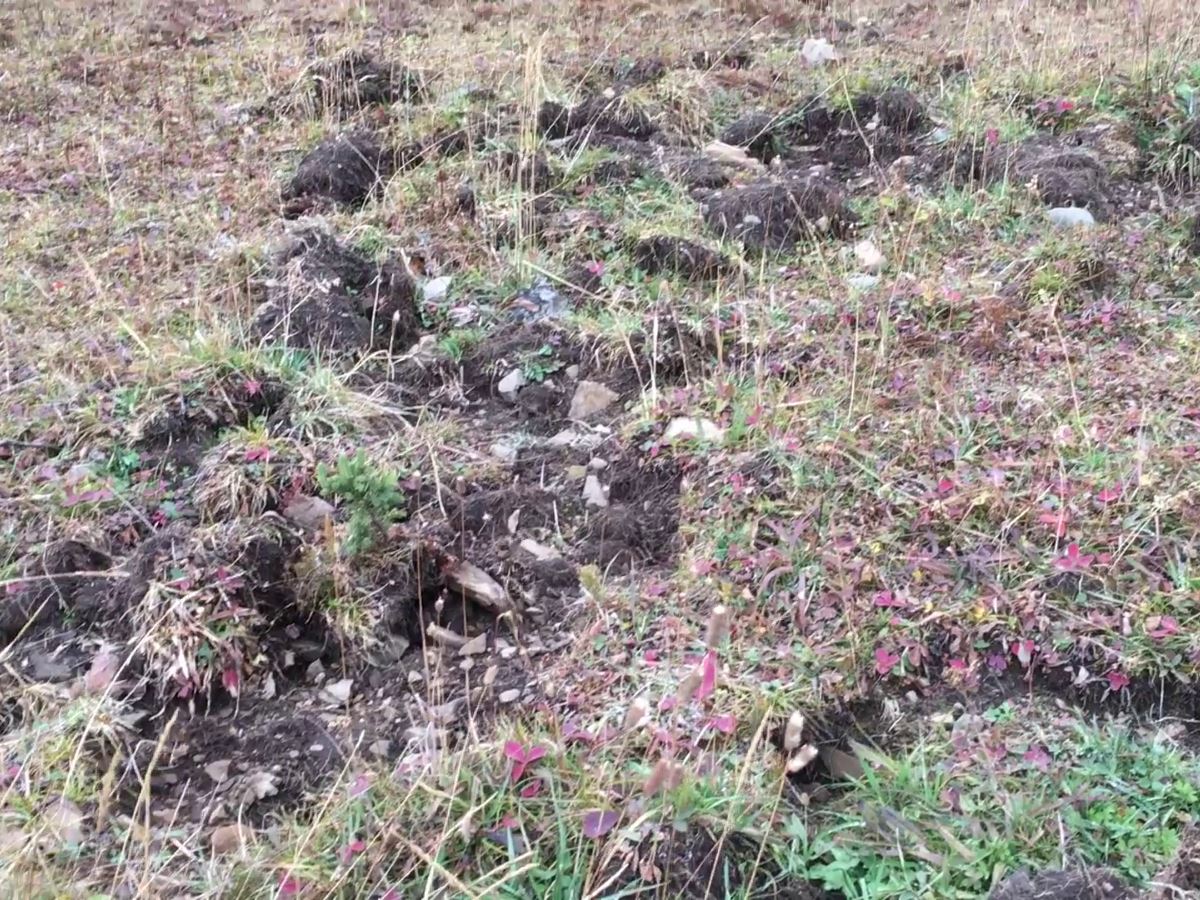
<point>594,493</point>
<point>1071,217</point>
<point>596,464</point>
<point>436,288</point>
<point>339,691</point>
<point>474,646</point>
<point>510,696</point>
<point>539,551</point>
<point>687,427</point>
<point>508,386</point>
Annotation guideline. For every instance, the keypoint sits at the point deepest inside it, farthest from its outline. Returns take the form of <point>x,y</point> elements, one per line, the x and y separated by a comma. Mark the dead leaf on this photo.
<point>258,786</point>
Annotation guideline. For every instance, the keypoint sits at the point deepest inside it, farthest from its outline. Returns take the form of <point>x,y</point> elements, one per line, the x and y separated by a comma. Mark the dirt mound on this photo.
<point>206,602</point>
<point>345,169</point>
<point>874,129</point>
<point>180,430</point>
<point>776,214</point>
<point>355,79</point>
<point>325,295</point>
<point>756,132</point>
<point>1059,173</point>
<point>1082,884</point>
<point>597,114</point>
<point>900,109</point>
<point>692,260</point>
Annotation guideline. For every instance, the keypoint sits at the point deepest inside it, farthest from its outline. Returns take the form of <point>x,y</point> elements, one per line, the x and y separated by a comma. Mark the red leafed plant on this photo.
<point>522,757</point>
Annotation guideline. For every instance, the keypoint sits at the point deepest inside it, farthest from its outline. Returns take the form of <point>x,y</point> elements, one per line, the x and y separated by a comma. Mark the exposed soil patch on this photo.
<point>730,58</point>
<point>246,764</point>
<point>530,173</point>
<point>700,865</point>
<point>180,431</point>
<point>639,525</point>
<point>57,590</point>
<point>346,169</point>
<point>692,260</point>
<point>1081,884</point>
<point>356,79</point>
<point>776,214</point>
<point>325,295</point>
<point>874,130</point>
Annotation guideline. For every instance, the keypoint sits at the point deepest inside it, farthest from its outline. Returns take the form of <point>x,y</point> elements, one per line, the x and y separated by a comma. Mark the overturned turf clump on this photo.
<point>325,295</point>
<point>775,215</point>
<point>900,109</point>
<point>1060,175</point>
<point>1083,884</point>
<point>346,169</point>
<point>355,79</point>
<point>692,260</point>
<point>529,172</point>
<point>755,132</point>
<point>202,602</point>
<point>599,114</point>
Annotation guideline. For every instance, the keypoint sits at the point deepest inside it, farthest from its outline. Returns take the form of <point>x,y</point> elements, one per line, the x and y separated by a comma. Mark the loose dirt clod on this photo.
<point>345,169</point>
<point>614,116</point>
<point>900,109</point>
<point>776,214</point>
<point>323,294</point>
<point>691,259</point>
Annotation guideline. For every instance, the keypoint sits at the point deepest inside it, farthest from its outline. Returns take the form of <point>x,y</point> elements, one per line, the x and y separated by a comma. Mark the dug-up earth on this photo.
<point>600,449</point>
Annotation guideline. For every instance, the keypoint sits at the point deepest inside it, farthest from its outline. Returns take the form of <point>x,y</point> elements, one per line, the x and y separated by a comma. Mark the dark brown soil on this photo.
<point>325,295</point>
<point>279,758</point>
<point>692,260</point>
<point>1082,884</point>
<point>528,172</point>
<point>55,591</point>
<point>700,865</point>
<point>899,109</point>
<point>775,215</point>
<point>1194,239</point>
<point>181,430</point>
<point>346,170</point>
<point>355,79</point>
<point>756,133</point>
